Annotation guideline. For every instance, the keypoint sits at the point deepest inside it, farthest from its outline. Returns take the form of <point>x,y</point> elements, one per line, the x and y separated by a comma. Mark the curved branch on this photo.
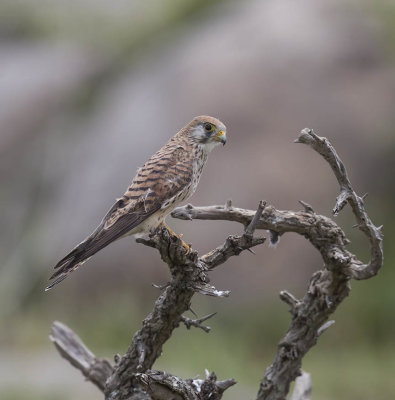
<point>326,291</point>
<point>347,195</point>
<point>327,288</point>
<point>321,231</point>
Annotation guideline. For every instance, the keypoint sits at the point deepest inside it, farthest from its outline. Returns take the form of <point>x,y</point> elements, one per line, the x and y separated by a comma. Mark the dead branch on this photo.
<point>197,323</point>
<point>132,372</point>
<point>71,347</point>
<point>322,146</point>
<point>327,288</point>
<point>189,275</point>
<point>132,376</point>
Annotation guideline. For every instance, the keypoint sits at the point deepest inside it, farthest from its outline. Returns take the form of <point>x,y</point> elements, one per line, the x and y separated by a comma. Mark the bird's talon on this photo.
<point>171,233</point>
<point>186,247</point>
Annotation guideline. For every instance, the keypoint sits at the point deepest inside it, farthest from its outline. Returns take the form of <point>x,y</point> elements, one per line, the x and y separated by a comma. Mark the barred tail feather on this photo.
<point>71,262</point>
<point>66,269</point>
<point>56,281</point>
<point>100,238</point>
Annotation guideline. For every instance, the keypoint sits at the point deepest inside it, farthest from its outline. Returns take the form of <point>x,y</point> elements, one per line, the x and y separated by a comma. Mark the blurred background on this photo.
<point>90,89</point>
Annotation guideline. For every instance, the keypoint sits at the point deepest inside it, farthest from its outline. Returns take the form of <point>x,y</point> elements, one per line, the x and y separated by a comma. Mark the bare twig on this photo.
<point>324,327</point>
<point>211,389</point>
<point>160,287</point>
<point>254,222</point>
<point>71,347</point>
<point>197,323</point>
<point>290,299</point>
<point>307,207</point>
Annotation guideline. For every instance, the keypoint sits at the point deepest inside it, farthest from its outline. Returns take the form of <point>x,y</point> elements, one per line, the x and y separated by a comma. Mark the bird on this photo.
<point>168,178</point>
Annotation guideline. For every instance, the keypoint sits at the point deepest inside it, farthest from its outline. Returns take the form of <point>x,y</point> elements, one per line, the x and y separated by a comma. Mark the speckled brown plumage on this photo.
<point>169,177</point>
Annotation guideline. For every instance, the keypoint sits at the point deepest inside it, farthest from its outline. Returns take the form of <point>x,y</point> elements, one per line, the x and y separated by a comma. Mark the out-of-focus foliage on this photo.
<point>89,89</point>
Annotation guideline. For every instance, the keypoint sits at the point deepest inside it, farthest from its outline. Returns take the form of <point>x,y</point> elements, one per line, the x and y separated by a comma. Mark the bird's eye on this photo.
<point>208,127</point>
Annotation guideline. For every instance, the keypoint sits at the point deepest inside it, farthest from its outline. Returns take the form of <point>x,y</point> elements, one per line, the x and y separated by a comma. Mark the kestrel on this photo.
<point>169,177</point>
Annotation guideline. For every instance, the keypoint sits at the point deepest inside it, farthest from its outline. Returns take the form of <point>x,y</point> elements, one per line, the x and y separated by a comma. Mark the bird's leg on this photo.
<point>171,233</point>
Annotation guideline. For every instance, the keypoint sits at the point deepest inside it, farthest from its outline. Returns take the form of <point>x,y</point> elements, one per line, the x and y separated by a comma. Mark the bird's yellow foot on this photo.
<point>184,245</point>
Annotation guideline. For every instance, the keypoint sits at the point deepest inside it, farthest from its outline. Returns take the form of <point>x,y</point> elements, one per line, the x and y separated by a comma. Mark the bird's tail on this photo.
<point>72,261</point>
<point>99,239</point>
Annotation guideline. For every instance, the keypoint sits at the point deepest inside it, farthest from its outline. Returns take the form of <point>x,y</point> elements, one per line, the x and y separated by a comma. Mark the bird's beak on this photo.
<point>220,137</point>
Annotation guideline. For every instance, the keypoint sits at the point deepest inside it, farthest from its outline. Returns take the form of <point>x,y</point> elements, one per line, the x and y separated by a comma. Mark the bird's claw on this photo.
<point>183,244</point>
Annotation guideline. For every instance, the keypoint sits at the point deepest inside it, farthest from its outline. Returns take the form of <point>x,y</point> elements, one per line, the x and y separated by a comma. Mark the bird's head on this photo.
<point>207,132</point>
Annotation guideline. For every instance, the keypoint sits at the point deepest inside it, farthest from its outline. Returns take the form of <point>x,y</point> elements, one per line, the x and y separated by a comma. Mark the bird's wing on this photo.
<point>161,180</point>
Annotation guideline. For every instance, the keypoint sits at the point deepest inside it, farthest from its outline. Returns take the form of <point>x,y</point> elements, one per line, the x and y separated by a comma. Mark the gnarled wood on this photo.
<point>132,377</point>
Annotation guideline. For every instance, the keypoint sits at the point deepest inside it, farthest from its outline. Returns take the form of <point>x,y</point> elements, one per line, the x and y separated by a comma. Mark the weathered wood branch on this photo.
<point>347,195</point>
<point>327,288</point>
<point>71,347</point>
<point>132,374</point>
<point>197,323</point>
<point>323,233</point>
<point>132,377</point>
<point>189,275</point>
<point>150,385</point>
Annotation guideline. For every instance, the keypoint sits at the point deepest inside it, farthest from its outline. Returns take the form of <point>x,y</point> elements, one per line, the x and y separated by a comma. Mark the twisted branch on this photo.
<point>132,373</point>
<point>197,323</point>
<point>132,376</point>
<point>322,146</point>
<point>327,288</point>
<point>189,275</point>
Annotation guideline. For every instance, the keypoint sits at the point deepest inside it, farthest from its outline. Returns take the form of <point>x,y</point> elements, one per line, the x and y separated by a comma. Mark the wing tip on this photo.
<point>55,282</point>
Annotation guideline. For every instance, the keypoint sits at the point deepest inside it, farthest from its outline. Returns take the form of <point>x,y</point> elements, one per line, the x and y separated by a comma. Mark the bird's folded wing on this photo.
<point>162,181</point>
